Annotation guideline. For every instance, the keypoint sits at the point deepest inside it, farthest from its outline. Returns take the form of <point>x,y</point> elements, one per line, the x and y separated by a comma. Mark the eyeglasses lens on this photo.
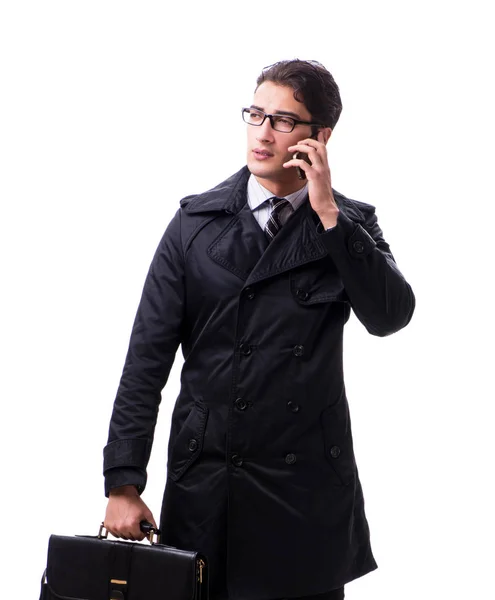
<point>255,117</point>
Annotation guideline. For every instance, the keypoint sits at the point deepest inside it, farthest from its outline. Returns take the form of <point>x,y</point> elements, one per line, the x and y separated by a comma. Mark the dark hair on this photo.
<point>313,85</point>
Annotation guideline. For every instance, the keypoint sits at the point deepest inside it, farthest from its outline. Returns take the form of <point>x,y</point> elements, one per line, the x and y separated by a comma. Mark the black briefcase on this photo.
<point>95,568</point>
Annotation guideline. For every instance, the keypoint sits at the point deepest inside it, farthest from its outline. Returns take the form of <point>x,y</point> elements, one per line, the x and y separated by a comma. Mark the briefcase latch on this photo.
<point>116,595</point>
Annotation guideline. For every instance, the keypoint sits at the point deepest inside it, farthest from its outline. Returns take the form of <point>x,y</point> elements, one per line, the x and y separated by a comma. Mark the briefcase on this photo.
<point>96,568</point>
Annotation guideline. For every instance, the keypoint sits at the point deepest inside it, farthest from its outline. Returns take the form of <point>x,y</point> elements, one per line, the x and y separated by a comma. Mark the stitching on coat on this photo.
<point>310,258</point>
<point>195,231</point>
<point>212,249</point>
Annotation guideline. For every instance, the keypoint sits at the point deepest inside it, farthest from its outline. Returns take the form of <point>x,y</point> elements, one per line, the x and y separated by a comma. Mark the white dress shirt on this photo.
<point>258,197</point>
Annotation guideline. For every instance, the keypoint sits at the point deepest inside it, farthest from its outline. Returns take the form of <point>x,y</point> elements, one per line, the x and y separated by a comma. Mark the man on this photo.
<point>255,280</point>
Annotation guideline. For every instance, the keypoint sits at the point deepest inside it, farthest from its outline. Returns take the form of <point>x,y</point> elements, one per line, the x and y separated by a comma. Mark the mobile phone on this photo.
<point>300,173</point>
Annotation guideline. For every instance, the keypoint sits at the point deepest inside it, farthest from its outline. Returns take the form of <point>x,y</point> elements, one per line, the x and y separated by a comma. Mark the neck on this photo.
<point>281,188</point>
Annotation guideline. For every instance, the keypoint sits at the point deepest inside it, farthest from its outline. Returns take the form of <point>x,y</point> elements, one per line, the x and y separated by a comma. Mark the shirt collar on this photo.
<point>257,194</point>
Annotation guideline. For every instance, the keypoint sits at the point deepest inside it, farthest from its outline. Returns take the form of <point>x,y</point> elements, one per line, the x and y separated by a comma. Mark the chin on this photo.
<point>264,171</point>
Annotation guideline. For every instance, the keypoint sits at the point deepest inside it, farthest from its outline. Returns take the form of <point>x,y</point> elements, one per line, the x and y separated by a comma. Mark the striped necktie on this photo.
<point>274,224</point>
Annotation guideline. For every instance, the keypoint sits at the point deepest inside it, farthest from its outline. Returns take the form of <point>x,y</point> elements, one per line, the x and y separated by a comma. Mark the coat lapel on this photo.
<point>240,244</point>
<point>296,244</point>
<point>242,247</point>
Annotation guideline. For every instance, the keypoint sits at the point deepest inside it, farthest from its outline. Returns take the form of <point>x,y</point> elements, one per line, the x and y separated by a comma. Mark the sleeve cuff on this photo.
<point>132,452</point>
<point>124,463</point>
<point>115,478</point>
<point>349,237</point>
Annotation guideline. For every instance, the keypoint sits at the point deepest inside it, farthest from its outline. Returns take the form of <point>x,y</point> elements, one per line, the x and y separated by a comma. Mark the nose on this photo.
<point>265,132</point>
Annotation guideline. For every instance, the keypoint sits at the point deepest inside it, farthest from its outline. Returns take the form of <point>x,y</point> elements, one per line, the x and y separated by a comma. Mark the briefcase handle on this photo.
<point>150,532</point>
<point>146,527</point>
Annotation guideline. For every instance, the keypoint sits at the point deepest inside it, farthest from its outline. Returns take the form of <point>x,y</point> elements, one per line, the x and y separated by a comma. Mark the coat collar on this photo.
<point>239,246</point>
<point>230,196</point>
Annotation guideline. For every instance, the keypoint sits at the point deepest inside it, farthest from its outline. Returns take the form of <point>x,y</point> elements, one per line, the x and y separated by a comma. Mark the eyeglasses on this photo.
<point>253,116</point>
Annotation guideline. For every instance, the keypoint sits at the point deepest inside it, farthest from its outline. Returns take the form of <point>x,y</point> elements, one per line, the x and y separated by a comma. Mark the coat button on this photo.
<point>334,451</point>
<point>302,294</point>
<point>250,293</point>
<point>290,459</point>
<point>193,445</point>
<point>245,349</point>
<point>298,350</point>
<point>241,404</point>
<point>358,247</point>
<point>236,460</point>
<point>293,406</point>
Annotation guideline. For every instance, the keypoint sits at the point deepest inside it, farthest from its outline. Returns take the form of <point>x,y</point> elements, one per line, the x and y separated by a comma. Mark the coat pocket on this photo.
<point>337,439</point>
<point>189,442</point>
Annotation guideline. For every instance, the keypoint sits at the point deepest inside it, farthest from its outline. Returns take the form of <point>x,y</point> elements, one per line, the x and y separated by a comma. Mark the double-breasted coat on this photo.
<point>261,471</point>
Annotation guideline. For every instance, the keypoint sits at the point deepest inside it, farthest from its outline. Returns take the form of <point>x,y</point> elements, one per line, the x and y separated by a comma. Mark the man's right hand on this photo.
<point>125,510</point>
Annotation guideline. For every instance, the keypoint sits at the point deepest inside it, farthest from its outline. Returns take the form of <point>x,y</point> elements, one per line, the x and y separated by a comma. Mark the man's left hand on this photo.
<point>319,178</point>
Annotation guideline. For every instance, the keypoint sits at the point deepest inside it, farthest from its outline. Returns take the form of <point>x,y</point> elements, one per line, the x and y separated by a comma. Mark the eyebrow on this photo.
<point>287,113</point>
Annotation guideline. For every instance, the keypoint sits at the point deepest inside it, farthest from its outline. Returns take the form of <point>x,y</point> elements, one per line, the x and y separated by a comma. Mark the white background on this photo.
<point>110,113</point>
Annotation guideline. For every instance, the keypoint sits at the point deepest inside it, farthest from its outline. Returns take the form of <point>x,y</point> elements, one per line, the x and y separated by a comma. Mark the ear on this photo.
<point>324,134</point>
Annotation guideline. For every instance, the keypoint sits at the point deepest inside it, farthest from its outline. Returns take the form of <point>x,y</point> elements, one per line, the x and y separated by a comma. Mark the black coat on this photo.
<point>261,471</point>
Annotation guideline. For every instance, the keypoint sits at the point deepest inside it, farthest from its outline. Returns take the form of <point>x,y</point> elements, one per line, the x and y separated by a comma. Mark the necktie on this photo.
<point>274,224</point>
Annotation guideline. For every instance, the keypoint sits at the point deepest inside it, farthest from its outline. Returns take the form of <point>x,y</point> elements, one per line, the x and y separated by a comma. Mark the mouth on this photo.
<point>261,154</point>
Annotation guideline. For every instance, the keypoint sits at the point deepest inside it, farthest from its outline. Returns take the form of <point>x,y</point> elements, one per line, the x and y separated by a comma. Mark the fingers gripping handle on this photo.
<point>149,530</point>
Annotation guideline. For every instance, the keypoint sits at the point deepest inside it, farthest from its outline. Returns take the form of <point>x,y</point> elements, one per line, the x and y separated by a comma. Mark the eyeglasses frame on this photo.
<point>270,117</point>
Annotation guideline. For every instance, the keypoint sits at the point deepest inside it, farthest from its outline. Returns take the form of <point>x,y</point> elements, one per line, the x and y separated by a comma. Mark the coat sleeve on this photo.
<point>155,337</point>
<point>378,293</point>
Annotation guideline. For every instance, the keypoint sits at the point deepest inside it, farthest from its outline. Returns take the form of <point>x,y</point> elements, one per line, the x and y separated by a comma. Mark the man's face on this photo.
<point>267,148</point>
